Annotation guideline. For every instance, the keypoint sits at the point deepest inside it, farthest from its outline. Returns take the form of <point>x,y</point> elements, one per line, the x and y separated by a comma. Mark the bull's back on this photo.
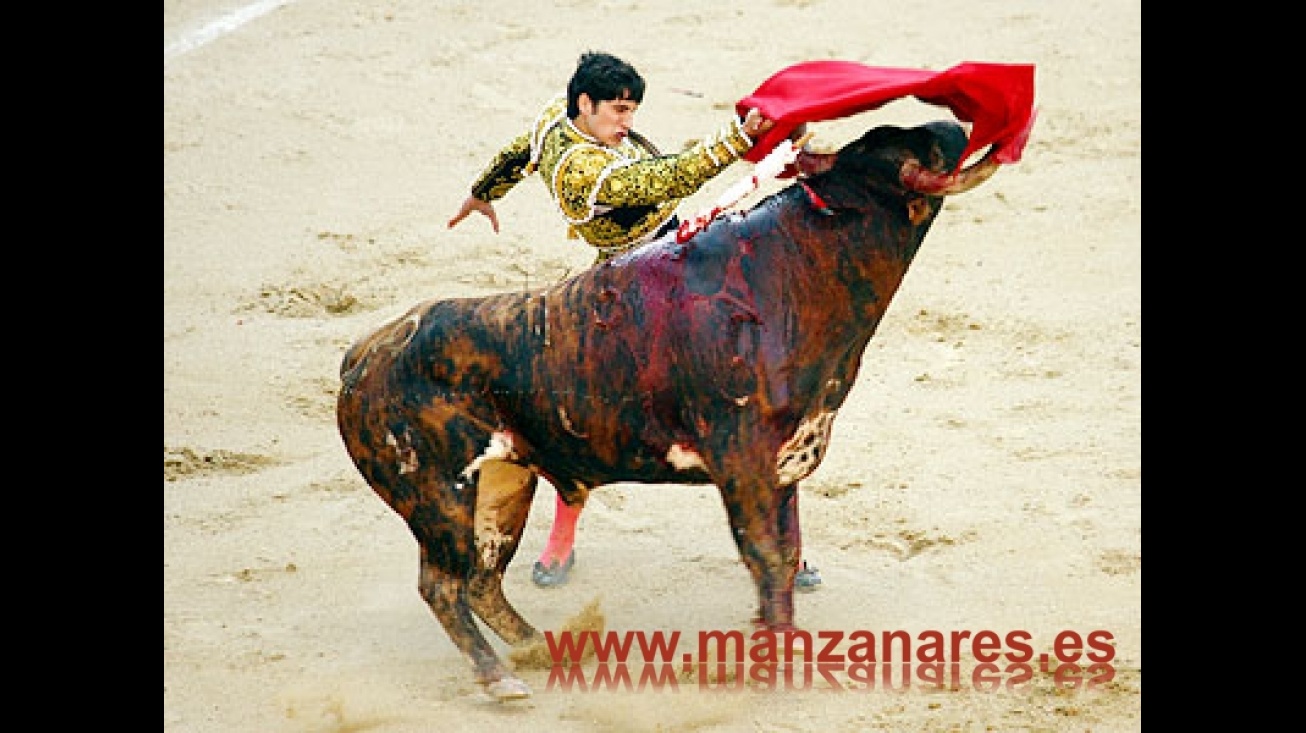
<point>464,343</point>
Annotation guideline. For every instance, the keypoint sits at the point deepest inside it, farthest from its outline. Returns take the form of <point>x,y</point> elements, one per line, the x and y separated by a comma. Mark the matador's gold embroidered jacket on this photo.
<point>614,197</point>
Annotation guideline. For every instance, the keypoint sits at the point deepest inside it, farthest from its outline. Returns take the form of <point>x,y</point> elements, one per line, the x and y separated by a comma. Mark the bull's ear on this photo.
<point>811,164</point>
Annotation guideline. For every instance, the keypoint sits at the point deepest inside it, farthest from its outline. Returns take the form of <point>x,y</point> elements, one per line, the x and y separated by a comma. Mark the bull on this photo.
<point>720,359</point>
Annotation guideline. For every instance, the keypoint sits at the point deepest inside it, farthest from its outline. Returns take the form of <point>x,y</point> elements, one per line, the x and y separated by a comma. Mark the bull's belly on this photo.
<point>683,462</point>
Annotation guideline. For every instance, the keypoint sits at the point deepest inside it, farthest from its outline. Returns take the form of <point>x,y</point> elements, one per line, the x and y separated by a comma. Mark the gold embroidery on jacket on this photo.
<point>591,182</point>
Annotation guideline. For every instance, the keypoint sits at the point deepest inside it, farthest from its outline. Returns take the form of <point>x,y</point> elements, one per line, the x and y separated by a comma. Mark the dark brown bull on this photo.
<point>720,360</point>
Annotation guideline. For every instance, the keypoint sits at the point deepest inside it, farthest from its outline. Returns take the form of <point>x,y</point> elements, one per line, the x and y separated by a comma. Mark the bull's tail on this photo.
<point>390,337</point>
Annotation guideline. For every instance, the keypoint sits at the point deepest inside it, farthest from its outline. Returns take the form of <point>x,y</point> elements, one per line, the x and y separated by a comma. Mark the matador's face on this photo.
<point>608,121</point>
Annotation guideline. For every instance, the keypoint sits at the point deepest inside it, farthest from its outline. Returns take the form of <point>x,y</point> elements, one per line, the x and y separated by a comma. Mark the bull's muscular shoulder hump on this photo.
<point>577,177</point>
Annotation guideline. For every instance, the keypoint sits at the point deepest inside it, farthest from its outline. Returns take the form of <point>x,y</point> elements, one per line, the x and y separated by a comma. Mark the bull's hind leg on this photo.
<point>433,487</point>
<point>422,452</point>
<point>503,501</point>
<point>448,597</point>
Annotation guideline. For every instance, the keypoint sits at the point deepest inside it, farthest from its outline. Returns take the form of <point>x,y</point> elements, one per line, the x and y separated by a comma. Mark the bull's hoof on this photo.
<point>553,575</point>
<point>508,688</point>
<point>808,579</point>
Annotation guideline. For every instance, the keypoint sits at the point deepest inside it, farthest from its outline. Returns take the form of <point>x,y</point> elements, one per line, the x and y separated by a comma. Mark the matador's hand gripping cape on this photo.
<point>997,99</point>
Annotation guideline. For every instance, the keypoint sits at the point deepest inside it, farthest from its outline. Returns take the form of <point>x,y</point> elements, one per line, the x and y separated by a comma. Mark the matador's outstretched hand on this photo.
<point>470,204</point>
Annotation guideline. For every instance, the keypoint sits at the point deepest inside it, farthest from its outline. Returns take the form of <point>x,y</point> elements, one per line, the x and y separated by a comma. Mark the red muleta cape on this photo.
<point>997,99</point>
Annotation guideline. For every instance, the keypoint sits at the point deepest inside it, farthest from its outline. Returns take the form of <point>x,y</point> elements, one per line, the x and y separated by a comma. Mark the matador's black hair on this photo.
<point>603,77</point>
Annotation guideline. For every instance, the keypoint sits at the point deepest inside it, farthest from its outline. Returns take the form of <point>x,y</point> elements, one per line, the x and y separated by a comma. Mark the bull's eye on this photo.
<point>918,210</point>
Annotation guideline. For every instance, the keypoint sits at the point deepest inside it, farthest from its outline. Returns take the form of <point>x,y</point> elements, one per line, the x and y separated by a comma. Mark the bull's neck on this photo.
<point>862,256</point>
<point>839,238</point>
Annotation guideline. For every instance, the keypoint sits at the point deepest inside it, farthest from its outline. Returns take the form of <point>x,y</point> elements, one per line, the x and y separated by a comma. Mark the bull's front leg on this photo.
<point>764,523</point>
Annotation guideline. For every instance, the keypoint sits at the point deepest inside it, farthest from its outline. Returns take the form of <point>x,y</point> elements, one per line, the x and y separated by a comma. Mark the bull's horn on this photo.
<point>920,179</point>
